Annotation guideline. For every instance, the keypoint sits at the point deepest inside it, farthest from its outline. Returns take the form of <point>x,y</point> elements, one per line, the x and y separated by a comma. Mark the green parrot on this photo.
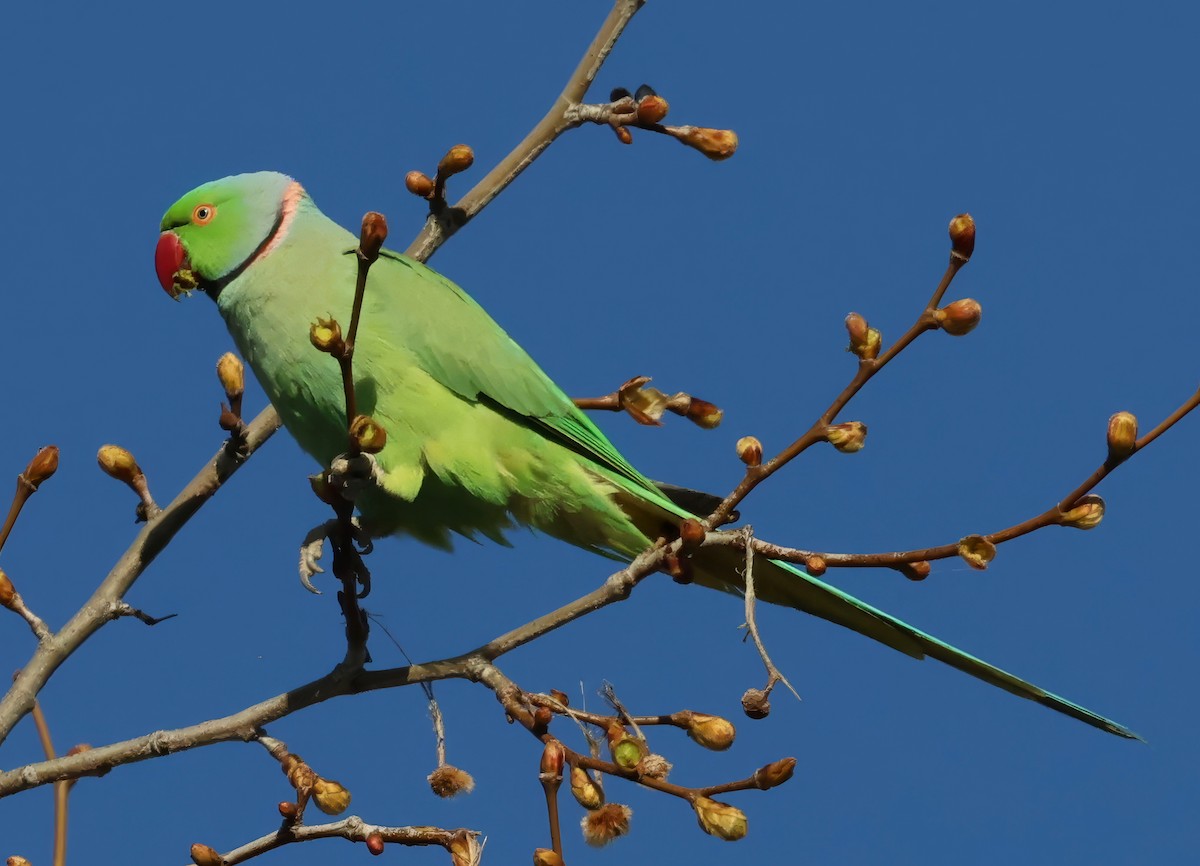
<point>478,436</point>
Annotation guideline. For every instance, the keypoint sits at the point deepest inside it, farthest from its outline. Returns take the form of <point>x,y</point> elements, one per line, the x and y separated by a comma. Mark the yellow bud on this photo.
<point>458,158</point>
<point>711,732</point>
<point>42,466</point>
<point>368,434</point>
<point>652,109</point>
<point>330,797</point>
<point>546,857</point>
<point>118,463</point>
<point>1087,513</point>
<point>448,781</point>
<point>962,236</point>
<point>960,317</point>
<point>373,234</point>
<point>645,404</point>
<point>977,551</point>
<point>203,855</point>
<point>419,184</point>
<point>232,375</point>
<point>750,450</point>
<point>601,826</point>
<point>720,819</point>
<point>326,335</point>
<point>8,592</point>
<point>775,773</point>
<point>704,414</point>
<point>1122,435</point>
<point>17,860</point>
<point>865,341</point>
<point>464,849</point>
<point>756,703</point>
<point>716,144</point>
<point>585,791</point>
<point>848,437</point>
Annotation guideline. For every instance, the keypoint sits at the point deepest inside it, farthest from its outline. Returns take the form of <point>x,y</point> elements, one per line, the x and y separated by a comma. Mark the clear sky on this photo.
<point>1067,130</point>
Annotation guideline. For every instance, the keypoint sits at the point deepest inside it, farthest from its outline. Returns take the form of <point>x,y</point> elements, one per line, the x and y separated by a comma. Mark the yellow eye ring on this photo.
<point>203,214</point>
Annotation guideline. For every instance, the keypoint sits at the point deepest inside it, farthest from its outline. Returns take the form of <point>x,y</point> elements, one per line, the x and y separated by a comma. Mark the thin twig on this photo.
<point>62,790</point>
<point>774,675</point>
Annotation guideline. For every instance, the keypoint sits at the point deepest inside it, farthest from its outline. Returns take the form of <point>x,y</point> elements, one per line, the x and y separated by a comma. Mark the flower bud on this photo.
<point>654,766</point>
<point>447,781</point>
<point>716,144</point>
<point>679,568</point>
<point>692,534</point>
<point>42,466</point>
<point>711,732</point>
<point>464,849</point>
<point>962,236</point>
<point>750,450</point>
<point>585,791</point>
<point>542,717</point>
<point>704,414</point>
<point>458,158</point>
<point>960,317</point>
<point>232,375</point>
<point>561,697</point>
<point>17,860</point>
<point>775,773</point>
<point>546,857</point>
<point>1122,435</point>
<point>627,751</point>
<point>1086,514</point>
<point>118,463</point>
<point>848,437</point>
<point>375,843</point>
<point>419,184</point>
<point>652,109</point>
<point>601,826</point>
<point>623,134</point>
<point>288,810</point>
<point>326,335</point>
<point>815,565</point>
<point>720,819</point>
<point>330,797</point>
<point>646,405</point>
<point>756,703</point>
<point>553,758</point>
<point>914,571</point>
<point>79,749</point>
<point>8,592</point>
<point>203,855</point>
<point>368,434</point>
<point>374,233</point>
<point>865,341</point>
<point>977,551</point>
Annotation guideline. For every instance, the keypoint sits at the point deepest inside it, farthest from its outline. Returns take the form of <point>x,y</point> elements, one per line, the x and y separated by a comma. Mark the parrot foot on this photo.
<point>313,549</point>
<point>351,474</point>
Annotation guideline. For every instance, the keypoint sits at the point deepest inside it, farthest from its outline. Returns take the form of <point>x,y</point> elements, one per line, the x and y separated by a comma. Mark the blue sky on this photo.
<point>1067,131</point>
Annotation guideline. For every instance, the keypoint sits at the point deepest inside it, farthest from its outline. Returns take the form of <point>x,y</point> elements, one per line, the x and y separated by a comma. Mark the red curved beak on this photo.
<point>169,258</point>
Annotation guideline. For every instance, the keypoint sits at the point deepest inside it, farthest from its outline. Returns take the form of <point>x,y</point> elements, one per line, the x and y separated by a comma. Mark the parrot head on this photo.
<point>215,231</point>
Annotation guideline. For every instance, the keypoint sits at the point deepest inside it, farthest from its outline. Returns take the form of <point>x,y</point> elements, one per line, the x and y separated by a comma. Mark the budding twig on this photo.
<point>42,466</point>
<point>647,405</point>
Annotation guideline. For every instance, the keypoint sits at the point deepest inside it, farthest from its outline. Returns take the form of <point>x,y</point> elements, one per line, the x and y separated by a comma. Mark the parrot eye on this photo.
<point>203,214</point>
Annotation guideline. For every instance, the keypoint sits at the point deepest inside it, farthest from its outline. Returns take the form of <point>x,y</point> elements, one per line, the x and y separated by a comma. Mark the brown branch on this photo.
<point>647,405</point>
<point>774,675</point>
<point>62,790</point>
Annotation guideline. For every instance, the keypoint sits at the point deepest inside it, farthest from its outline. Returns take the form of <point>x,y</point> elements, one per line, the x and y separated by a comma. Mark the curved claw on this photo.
<point>310,554</point>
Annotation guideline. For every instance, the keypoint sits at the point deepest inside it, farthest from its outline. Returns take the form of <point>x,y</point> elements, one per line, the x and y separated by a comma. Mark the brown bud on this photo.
<point>288,810</point>
<point>326,335</point>
<point>561,697</point>
<point>962,236</point>
<point>645,405</point>
<point>419,184</point>
<point>368,434</point>
<point>750,450</point>
<point>692,534</point>
<point>42,466</point>
<point>601,826</point>
<point>716,144</point>
<point>448,781</point>
<point>203,855</point>
<point>914,571</point>
<point>654,766</point>
<point>232,375</point>
<point>542,717</point>
<point>848,437</point>
<point>865,341</point>
<point>375,843</point>
<point>8,592</point>
<point>1086,514</point>
<point>330,797</point>
<point>756,703</point>
<point>623,134</point>
<point>977,551</point>
<point>815,565</point>
<point>775,773</point>
<point>720,819</point>
<point>464,849</point>
<point>458,158</point>
<point>118,463</point>
<point>546,857</point>
<point>374,233</point>
<point>711,732</point>
<point>1122,435</point>
<point>652,109</point>
<point>704,414</point>
<point>553,758</point>
<point>585,791</point>
<point>680,568</point>
<point>79,749</point>
<point>17,860</point>
<point>960,317</point>
<point>627,751</point>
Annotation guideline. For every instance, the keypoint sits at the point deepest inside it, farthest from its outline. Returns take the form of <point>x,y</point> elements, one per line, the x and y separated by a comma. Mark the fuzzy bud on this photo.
<point>375,843</point>
<point>118,463</point>
<point>419,184</point>
<point>692,534</point>
<point>203,855</point>
<point>756,703</point>
<point>326,335</point>
<point>711,732</point>
<point>601,826</point>
<point>720,819</point>
<point>546,857</point>
<point>448,781</point>
<point>8,592</point>
<point>652,109</point>
<point>553,758</point>
<point>815,565</point>
<point>960,317</point>
<point>42,466</point>
<point>374,233</point>
<point>232,375</point>
<point>775,774</point>
<point>464,849</point>
<point>330,797</point>
<point>750,450</point>
<point>977,551</point>
<point>655,767</point>
<point>848,437</point>
<point>962,236</point>
<point>1087,513</point>
<point>16,860</point>
<point>704,414</point>
<point>716,144</point>
<point>368,434</point>
<point>585,791</point>
<point>1122,435</point>
<point>914,571</point>
<point>458,158</point>
<point>623,134</point>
